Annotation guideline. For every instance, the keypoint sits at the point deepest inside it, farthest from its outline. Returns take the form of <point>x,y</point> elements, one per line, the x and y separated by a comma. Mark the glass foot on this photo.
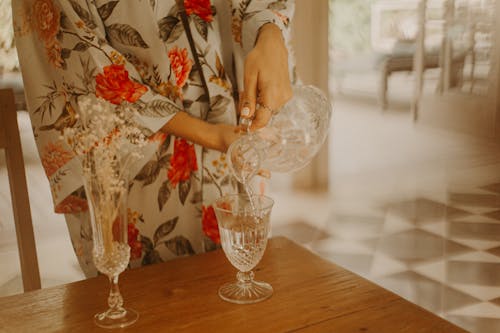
<point>116,319</point>
<point>245,293</point>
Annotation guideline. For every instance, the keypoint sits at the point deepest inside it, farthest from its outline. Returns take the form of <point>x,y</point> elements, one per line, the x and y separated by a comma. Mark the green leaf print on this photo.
<point>164,193</point>
<point>170,27</point>
<point>218,105</point>
<point>203,98</point>
<point>197,197</point>
<point>225,180</point>
<point>146,243</point>
<point>164,147</point>
<point>164,229</point>
<point>127,35</point>
<point>151,257</point>
<point>164,161</point>
<point>65,53</point>
<point>159,108</point>
<point>64,22</point>
<point>80,47</point>
<point>180,245</point>
<point>184,188</point>
<point>83,14</point>
<point>106,9</point>
<point>148,173</point>
<point>201,26</point>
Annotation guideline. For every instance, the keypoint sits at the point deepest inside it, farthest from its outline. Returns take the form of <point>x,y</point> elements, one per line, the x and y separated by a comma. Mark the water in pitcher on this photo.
<point>290,140</point>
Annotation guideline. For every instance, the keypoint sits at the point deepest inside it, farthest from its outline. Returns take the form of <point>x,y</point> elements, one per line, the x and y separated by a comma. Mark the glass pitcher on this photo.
<point>290,140</point>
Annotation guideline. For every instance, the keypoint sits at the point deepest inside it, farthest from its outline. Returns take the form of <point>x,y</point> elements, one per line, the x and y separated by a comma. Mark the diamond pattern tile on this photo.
<point>358,263</point>
<point>476,256</point>
<point>417,245</point>
<point>476,324</point>
<point>492,187</point>
<point>495,251</point>
<point>355,227</point>
<point>478,273</point>
<point>484,293</point>
<point>482,231</point>
<point>480,245</point>
<point>384,265</point>
<point>426,292</point>
<point>474,199</point>
<point>423,210</point>
<point>340,245</point>
<point>493,215</point>
<point>300,232</point>
<point>496,301</point>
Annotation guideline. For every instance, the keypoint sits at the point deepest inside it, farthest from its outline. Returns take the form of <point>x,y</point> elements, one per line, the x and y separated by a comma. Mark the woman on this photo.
<point>180,63</point>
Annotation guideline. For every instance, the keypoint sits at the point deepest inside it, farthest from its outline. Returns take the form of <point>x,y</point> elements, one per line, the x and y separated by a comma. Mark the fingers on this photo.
<point>262,117</point>
<point>266,88</point>
<point>249,95</point>
<point>240,102</point>
<point>271,99</point>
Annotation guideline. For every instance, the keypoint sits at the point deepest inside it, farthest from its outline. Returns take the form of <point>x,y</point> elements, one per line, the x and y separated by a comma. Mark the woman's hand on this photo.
<point>267,84</point>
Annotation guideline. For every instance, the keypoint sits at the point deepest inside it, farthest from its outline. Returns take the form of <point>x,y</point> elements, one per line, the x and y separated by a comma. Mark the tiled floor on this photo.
<point>414,209</point>
<point>420,217</point>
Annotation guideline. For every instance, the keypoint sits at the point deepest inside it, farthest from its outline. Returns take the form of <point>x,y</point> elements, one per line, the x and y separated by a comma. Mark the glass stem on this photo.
<point>245,277</point>
<point>115,300</point>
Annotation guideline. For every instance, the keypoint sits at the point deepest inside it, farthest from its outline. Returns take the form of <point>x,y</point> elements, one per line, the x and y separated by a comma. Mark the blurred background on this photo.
<point>406,190</point>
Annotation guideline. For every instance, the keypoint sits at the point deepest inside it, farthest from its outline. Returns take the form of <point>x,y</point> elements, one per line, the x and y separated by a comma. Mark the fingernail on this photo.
<point>245,112</point>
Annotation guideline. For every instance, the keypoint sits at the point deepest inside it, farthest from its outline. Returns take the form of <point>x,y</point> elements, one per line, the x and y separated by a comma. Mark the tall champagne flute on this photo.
<point>111,253</point>
<point>244,227</point>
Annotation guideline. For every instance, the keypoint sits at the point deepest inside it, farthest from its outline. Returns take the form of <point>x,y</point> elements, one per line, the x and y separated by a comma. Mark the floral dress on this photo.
<point>160,57</point>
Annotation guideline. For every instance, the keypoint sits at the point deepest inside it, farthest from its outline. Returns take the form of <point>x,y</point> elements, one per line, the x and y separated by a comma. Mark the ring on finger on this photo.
<point>246,123</point>
<point>272,111</point>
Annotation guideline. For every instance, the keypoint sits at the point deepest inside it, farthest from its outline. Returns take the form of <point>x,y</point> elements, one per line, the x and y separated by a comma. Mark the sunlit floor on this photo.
<point>415,209</point>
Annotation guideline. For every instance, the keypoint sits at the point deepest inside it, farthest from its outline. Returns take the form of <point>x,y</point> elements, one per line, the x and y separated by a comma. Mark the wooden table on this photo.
<point>310,295</point>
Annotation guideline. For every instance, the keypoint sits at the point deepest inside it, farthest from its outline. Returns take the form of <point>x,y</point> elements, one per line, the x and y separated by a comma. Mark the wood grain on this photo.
<point>310,295</point>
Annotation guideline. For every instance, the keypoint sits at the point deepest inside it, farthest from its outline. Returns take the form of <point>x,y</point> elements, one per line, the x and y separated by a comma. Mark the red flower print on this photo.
<point>54,53</point>
<point>236,28</point>
<point>158,137</point>
<point>202,8</point>
<point>54,156</point>
<point>180,64</point>
<point>115,86</point>
<point>182,162</point>
<point>209,223</point>
<point>71,205</point>
<point>134,242</point>
<point>45,18</point>
<point>132,238</point>
<point>284,19</point>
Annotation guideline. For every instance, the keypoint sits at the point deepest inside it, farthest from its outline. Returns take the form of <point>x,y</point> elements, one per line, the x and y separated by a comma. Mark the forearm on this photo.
<point>270,32</point>
<point>211,136</point>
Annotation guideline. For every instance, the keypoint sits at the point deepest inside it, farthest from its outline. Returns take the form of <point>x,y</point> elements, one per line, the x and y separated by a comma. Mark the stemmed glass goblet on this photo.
<point>244,223</point>
<point>111,253</point>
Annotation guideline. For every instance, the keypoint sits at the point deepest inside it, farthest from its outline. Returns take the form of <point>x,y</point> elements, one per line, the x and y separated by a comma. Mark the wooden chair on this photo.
<point>10,141</point>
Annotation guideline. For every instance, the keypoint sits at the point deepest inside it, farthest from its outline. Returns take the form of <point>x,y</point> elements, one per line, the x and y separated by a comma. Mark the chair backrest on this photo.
<point>10,141</point>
